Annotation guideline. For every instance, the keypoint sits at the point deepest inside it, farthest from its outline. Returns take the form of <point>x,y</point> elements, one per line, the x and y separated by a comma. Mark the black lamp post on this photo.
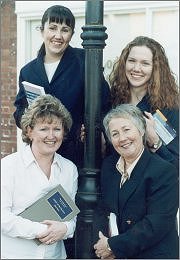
<point>93,41</point>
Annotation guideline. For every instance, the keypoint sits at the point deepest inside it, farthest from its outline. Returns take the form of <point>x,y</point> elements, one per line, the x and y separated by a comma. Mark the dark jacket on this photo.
<point>168,152</point>
<point>145,206</point>
<point>67,84</point>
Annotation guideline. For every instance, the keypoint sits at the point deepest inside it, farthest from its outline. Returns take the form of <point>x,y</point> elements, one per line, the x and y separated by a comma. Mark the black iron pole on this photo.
<point>93,41</point>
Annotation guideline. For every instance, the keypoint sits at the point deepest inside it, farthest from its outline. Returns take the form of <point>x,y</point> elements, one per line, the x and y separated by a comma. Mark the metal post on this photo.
<point>93,41</point>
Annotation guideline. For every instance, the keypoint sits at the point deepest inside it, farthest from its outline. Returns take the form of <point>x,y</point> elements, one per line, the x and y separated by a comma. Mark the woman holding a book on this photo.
<point>30,174</point>
<point>60,69</point>
<point>139,199</point>
<point>142,76</point>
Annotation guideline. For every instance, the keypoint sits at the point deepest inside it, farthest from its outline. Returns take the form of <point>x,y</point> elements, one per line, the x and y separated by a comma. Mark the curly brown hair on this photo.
<point>162,87</point>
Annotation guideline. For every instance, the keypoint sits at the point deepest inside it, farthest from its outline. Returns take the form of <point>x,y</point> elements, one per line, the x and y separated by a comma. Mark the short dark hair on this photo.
<point>57,14</point>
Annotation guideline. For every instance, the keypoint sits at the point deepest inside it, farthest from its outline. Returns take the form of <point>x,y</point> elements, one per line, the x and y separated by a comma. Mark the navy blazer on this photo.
<point>67,84</point>
<point>145,206</point>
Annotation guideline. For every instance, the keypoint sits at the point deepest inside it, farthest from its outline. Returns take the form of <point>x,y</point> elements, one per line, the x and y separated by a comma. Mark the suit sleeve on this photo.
<point>100,220</point>
<point>20,103</point>
<point>170,152</point>
<point>106,97</point>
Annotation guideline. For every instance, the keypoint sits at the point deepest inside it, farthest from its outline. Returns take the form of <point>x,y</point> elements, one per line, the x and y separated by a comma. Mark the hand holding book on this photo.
<point>163,129</point>
<point>56,231</point>
<point>56,205</point>
<point>158,131</point>
<point>32,91</point>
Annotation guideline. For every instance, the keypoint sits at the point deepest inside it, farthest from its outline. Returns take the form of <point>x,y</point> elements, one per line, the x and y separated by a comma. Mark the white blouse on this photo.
<point>50,69</point>
<point>22,183</point>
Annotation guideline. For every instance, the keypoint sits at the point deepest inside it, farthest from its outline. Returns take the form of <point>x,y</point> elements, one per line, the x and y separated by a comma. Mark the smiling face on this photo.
<point>139,66</point>
<point>126,138</point>
<point>56,38</point>
<point>46,136</point>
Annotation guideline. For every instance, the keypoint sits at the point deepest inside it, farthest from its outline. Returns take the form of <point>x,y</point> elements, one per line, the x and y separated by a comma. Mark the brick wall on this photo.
<point>8,76</point>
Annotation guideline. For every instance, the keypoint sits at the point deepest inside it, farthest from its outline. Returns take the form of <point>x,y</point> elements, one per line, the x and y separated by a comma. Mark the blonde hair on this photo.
<point>44,107</point>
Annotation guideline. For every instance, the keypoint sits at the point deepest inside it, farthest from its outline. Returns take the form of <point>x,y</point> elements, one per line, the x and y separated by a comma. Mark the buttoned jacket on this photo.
<point>145,206</point>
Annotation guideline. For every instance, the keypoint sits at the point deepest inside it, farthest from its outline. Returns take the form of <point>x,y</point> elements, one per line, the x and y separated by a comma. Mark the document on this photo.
<point>163,129</point>
<point>32,91</point>
<point>113,225</point>
<point>55,205</point>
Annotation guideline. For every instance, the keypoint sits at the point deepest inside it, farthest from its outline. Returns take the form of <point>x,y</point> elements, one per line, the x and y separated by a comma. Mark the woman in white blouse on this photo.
<point>29,174</point>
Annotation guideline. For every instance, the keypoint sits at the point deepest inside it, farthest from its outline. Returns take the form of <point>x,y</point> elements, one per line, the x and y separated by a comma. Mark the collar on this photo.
<point>28,157</point>
<point>121,165</point>
<point>57,160</point>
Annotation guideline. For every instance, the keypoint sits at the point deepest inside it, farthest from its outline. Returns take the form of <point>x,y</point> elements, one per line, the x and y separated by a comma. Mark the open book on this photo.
<point>32,91</point>
<point>55,205</point>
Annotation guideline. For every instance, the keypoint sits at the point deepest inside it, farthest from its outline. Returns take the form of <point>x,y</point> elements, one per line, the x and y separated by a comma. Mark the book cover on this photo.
<point>32,91</point>
<point>163,129</point>
<point>56,205</point>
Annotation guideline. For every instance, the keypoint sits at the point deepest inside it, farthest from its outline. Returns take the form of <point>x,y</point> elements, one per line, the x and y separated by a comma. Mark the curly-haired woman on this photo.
<point>142,76</point>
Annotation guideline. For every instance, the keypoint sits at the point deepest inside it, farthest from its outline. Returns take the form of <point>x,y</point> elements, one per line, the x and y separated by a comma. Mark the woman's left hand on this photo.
<point>82,133</point>
<point>151,135</point>
<point>56,231</point>
<point>101,249</point>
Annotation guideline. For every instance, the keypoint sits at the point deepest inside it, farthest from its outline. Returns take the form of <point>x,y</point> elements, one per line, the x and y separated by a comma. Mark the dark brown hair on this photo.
<point>57,14</point>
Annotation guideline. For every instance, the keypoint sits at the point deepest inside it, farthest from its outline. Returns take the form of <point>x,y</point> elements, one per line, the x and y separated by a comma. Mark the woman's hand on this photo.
<point>82,133</point>
<point>101,248</point>
<point>151,135</point>
<point>103,142</point>
<point>56,231</point>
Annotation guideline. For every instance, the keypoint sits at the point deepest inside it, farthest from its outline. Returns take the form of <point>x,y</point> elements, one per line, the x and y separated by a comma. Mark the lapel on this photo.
<point>65,63</point>
<point>114,184</point>
<point>40,71</point>
<point>130,186</point>
<point>110,180</point>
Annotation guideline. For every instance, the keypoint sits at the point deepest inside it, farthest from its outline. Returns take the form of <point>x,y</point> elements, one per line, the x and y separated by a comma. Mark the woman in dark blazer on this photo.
<point>140,189</point>
<point>60,70</point>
